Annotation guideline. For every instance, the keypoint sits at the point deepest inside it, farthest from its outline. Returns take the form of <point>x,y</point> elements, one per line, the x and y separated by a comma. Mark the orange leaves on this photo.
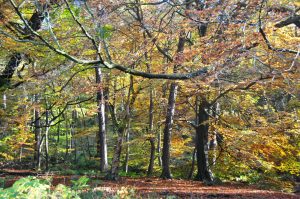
<point>178,146</point>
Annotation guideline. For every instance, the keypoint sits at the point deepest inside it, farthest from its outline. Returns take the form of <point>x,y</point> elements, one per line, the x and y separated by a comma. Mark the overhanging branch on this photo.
<point>105,64</point>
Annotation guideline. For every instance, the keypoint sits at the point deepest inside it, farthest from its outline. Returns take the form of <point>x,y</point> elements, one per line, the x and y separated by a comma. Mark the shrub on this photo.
<point>32,187</point>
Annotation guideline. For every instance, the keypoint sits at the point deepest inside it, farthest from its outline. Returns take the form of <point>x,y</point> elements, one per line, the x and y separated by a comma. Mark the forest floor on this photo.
<point>158,188</point>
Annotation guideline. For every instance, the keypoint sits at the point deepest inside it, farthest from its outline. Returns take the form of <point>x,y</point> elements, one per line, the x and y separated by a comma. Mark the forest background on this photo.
<point>197,89</point>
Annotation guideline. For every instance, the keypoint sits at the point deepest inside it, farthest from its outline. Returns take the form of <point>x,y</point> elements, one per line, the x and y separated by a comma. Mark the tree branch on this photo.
<point>105,64</point>
<point>291,20</point>
<point>273,48</point>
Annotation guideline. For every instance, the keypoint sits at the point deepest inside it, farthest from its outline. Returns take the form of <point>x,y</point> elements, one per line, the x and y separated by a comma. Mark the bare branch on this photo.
<point>291,20</point>
<point>273,48</point>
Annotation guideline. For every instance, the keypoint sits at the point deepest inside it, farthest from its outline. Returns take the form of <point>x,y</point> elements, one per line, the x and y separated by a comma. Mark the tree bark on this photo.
<point>166,174</point>
<point>114,173</point>
<point>47,141</point>
<point>4,104</point>
<point>127,137</point>
<point>10,68</point>
<point>214,141</point>
<point>35,23</point>
<point>152,157</point>
<point>159,147</point>
<point>193,164</point>
<point>37,135</point>
<point>67,140</point>
<point>73,140</point>
<point>151,123</point>
<point>128,121</point>
<point>101,145</point>
<point>201,143</point>
<point>121,128</point>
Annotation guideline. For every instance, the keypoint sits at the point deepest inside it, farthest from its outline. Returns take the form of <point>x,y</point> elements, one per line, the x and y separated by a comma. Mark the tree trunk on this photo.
<point>10,69</point>
<point>152,157</point>
<point>214,141</point>
<point>159,147</point>
<point>128,120</point>
<point>35,23</point>
<point>166,174</point>
<point>193,164</point>
<point>47,141</point>
<point>73,140</point>
<point>121,128</point>
<point>101,145</point>
<point>67,141</point>
<point>127,137</point>
<point>201,143</point>
<point>114,173</point>
<point>151,124</point>
<point>37,135</point>
<point>4,101</point>
<point>197,101</point>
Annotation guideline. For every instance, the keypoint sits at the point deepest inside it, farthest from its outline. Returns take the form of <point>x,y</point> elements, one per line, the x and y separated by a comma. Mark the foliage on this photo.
<point>125,193</point>
<point>251,75</point>
<point>32,187</point>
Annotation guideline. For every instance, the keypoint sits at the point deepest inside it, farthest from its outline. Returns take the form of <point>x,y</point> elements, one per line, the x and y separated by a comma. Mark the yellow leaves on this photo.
<point>297,3</point>
<point>291,165</point>
<point>89,53</point>
<point>86,132</point>
<point>178,145</point>
<point>6,156</point>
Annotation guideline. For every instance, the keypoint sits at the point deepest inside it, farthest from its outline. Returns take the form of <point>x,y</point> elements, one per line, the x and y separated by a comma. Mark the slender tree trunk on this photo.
<point>128,118</point>
<point>167,133</point>
<point>193,164</point>
<point>159,147</point>
<point>152,157</point>
<point>58,133</point>
<point>40,152</point>
<point>127,137</point>
<point>72,133</point>
<point>67,140</point>
<point>21,153</point>
<point>201,143</point>
<point>4,101</point>
<point>121,129</point>
<point>2,123</point>
<point>37,135</point>
<point>214,141</point>
<point>101,145</point>
<point>106,97</point>
<point>197,101</point>
<point>57,143</point>
<point>114,173</point>
<point>170,112</point>
<point>151,123</point>
<point>47,141</point>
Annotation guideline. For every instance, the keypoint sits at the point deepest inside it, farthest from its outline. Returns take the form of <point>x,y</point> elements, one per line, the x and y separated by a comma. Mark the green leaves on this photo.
<point>105,32</point>
<point>66,13</point>
<point>25,187</point>
<point>81,183</point>
<point>32,187</point>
